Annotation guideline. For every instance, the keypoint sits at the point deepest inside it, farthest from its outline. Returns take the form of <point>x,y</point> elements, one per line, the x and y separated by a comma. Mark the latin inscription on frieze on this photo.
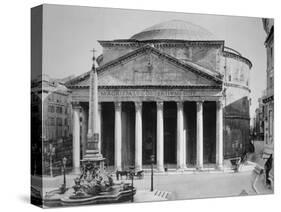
<point>172,94</point>
<point>147,93</point>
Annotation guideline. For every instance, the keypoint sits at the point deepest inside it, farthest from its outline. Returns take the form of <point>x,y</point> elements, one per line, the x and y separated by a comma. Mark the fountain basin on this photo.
<point>117,195</point>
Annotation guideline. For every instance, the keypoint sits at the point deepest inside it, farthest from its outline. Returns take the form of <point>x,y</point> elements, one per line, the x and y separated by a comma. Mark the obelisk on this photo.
<point>93,137</point>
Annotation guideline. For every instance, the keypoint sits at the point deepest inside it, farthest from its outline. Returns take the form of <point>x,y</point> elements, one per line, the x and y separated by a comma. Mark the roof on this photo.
<point>175,30</point>
<point>215,76</point>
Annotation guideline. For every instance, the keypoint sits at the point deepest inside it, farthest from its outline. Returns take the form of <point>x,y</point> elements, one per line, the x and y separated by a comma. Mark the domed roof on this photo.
<point>174,30</point>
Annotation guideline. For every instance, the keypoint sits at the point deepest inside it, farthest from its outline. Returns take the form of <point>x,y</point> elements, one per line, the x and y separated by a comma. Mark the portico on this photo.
<point>131,145</point>
<point>151,103</point>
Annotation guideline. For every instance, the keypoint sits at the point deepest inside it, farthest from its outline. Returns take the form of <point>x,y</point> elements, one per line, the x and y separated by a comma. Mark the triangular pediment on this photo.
<point>149,66</point>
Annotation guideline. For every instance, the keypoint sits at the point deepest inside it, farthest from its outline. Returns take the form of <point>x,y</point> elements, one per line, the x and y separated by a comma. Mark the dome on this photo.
<point>174,30</point>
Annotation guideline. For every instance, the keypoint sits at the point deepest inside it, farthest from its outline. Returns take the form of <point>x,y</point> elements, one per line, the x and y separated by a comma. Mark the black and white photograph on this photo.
<point>132,106</point>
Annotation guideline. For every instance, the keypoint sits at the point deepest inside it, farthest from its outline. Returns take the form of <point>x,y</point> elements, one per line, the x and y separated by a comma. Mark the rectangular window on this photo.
<point>59,121</point>
<point>52,121</point>
<point>51,109</point>
<point>59,109</point>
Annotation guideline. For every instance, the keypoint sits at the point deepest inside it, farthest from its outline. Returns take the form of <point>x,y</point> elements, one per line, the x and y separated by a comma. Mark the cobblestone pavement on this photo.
<point>201,185</point>
<point>186,186</point>
<point>260,186</point>
<point>191,185</point>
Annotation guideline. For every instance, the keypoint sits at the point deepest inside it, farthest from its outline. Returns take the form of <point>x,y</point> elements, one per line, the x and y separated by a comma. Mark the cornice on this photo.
<point>160,43</point>
<point>149,49</point>
<point>237,57</point>
<point>197,69</point>
<point>236,117</point>
<point>217,87</point>
<point>69,84</point>
<point>237,86</point>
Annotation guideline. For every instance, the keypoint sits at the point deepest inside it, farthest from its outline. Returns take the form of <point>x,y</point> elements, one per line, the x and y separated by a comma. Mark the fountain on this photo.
<point>94,185</point>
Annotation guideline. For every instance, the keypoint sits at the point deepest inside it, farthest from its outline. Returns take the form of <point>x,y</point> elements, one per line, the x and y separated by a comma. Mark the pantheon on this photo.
<point>173,90</point>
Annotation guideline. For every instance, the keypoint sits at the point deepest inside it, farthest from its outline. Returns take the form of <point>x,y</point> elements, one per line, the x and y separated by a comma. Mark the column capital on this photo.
<point>159,104</point>
<point>199,104</point>
<point>117,105</point>
<point>180,104</point>
<point>138,105</point>
<point>220,104</point>
<point>99,106</point>
<point>200,101</point>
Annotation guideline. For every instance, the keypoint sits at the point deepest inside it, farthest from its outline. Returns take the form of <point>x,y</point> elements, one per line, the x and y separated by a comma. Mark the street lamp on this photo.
<point>51,152</point>
<point>152,161</point>
<point>64,166</point>
<point>63,186</point>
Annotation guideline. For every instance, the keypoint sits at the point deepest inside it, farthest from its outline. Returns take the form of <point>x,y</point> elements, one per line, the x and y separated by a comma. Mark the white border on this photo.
<point>15,101</point>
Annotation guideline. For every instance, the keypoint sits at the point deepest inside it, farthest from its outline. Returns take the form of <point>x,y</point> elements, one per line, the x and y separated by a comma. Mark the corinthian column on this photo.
<point>160,137</point>
<point>118,137</point>
<point>76,137</point>
<point>219,135</point>
<point>84,130</point>
<point>180,146</point>
<point>199,133</point>
<point>99,124</point>
<point>138,136</point>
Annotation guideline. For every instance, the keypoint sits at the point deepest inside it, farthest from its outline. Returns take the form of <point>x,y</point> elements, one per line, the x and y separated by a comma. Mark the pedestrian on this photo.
<point>252,147</point>
<point>243,157</point>
<point>267,167</point>
<point>117,175</point>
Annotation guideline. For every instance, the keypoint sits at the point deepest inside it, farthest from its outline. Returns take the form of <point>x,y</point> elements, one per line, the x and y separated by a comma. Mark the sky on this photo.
<point>71,32</point>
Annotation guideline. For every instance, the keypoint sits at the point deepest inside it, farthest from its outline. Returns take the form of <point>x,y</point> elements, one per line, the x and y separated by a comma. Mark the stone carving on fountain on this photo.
<point>91,182</point>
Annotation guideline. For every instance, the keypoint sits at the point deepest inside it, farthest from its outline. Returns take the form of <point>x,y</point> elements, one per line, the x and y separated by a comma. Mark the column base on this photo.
<point>181,167</point>
<point>138,167</point>
<point>76,170</point>
<point>220,167</point>
<point>118,168</point>
<point>199,167</point>
<point>160,169</point>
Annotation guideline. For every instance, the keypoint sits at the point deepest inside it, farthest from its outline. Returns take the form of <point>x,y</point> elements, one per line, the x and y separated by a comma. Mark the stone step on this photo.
<point>162,194</point>
<point>247,167</point>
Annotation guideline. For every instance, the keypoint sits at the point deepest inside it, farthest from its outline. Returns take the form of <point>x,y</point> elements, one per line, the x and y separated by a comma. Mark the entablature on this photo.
<point>151,93</point>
